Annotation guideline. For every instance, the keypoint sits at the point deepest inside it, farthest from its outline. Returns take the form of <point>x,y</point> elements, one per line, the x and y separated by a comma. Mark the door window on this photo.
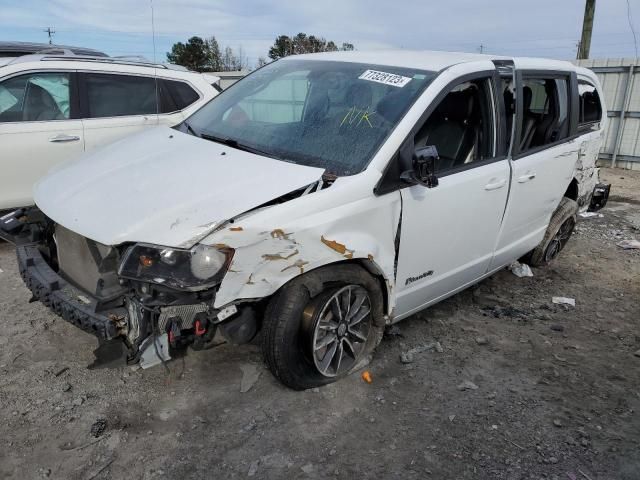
<point>120,95</point>
<point>461,127</point>
<point>545,112</point>
<point>175,96</point>
<point>590,106</point>
<point>35,97</point>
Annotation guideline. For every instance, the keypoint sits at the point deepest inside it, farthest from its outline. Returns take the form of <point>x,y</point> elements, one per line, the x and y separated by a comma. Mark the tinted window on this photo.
<point>590,106</point>
<point>545,112</point>
<point>35,97</point>
<point>119,95</point>
<point>333,115</point>
<point>175,96</point>
<point>461,127</point>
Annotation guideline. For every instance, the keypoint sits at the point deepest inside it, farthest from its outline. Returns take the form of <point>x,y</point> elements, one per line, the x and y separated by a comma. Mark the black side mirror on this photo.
<point>423,167</point>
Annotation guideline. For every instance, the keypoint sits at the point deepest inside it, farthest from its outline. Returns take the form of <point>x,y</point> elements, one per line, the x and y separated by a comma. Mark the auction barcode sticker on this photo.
<point>385,78</point>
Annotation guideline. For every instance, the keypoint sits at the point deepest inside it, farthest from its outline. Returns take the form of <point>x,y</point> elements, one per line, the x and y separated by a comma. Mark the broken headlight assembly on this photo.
<point>195,269</point>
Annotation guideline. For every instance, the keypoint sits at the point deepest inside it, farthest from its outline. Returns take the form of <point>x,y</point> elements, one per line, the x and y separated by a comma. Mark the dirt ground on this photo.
<point>521,389</point>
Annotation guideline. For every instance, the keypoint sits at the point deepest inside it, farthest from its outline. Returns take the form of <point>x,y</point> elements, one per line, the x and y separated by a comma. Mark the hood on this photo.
<point>163,187</point>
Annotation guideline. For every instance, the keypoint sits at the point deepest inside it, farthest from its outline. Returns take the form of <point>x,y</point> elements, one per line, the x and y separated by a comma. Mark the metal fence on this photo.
<point>621,87</point>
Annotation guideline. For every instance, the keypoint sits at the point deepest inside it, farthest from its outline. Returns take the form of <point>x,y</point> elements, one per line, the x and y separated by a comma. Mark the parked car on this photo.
<point>54,107</point>
<point>18,49</point>
<point>319,199</point>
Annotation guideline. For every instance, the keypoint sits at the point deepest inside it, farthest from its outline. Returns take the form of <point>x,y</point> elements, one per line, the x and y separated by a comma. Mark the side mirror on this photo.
<point>423,167</point>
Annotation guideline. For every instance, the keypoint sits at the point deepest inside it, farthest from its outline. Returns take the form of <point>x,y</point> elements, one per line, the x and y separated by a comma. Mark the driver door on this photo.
<point>448,232</point>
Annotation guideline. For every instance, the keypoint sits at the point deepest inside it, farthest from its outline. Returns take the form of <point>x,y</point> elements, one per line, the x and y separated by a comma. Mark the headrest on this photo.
<point>457,106</point>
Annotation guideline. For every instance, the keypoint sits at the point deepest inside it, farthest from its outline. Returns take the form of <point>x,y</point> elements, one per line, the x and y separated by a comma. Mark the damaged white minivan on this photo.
<point>315,201</point>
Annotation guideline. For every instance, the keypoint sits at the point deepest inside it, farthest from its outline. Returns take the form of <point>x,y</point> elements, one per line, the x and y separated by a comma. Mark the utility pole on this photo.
<point>481,48</point>
<point>50,32</point>
<point>587,28</point>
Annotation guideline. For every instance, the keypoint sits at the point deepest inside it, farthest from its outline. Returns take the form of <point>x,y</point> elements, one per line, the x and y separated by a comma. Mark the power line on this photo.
<point>633,31</point>
<point>50,32</point>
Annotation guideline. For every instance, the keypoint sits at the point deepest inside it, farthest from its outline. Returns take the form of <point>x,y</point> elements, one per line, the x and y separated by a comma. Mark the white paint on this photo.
<point>26,148</point>
<point>164,187</point>
<point>173,189</point>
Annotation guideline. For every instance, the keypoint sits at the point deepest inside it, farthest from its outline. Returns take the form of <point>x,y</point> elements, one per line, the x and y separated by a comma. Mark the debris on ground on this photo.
<point>250,375</point>
<point>590,214</point>
<point>409,355</point>
<point>482,340</point>
<point>98,427</point>
<point>366,376</point>
<point>520,269</point>
<point>564,301</point>
<point>467,385</point>
<point>509,312</point>
<point>637,353</point>
<point>629,244</point>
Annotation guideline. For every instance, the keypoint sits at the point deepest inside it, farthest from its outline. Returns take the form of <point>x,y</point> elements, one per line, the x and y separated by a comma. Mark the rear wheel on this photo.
<point>558,233</point>
<point>322,325</point>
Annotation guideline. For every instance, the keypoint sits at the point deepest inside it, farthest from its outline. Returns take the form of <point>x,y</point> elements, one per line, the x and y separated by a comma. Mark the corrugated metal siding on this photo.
<point>614,75</point>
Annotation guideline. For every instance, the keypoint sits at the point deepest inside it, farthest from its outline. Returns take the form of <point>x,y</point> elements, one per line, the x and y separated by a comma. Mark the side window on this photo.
<point>281,101</point>
<point>175,96</point>
<point>462,126</point>
<point>590,106</point>
<point>545,112</point>
<point>120,95</point>
<point>35,97</point>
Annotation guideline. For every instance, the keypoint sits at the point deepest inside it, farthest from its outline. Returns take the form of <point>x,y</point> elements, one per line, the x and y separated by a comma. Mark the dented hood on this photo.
<point>163,187</point>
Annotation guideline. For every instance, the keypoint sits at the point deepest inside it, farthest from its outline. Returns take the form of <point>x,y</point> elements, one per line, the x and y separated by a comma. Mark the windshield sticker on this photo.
<point>385,78</point>
<point>355,114</point>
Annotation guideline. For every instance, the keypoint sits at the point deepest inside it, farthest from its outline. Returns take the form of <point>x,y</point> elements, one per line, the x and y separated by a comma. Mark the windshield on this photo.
<point>333,115</point>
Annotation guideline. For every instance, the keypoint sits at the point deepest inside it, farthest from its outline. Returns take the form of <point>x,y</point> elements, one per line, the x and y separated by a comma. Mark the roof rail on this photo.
<point>135,60</point>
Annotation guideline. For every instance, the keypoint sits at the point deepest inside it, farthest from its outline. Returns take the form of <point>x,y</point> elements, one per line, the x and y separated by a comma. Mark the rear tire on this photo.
<point>298,311</point>
<point>558,233</point>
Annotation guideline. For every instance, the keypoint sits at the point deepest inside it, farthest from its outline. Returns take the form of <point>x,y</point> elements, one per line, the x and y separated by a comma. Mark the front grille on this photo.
<point>89,265</point>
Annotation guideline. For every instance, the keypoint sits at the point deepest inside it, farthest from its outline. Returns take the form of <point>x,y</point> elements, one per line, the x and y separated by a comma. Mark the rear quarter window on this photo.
<point>590,113</point>
<point>175,95</point>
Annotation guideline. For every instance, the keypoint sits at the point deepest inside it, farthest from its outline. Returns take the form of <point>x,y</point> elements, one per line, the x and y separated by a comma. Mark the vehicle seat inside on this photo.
<point>39,105</point>
<point>453,128</point>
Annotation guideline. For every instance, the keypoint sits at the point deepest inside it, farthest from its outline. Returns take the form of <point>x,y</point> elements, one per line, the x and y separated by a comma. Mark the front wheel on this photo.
<point>321,325</point>
<point>558,233</point>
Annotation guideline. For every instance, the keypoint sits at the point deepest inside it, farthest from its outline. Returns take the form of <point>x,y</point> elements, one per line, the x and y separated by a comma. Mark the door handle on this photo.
<point>495,185</point>
<point>64,138</point>
<point>526,177</point>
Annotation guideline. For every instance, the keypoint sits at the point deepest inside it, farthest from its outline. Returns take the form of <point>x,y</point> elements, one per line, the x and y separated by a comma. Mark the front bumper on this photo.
<point>69,302</point>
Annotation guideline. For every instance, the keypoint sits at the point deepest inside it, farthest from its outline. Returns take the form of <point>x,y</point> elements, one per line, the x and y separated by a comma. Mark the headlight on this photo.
<point>195,269</point>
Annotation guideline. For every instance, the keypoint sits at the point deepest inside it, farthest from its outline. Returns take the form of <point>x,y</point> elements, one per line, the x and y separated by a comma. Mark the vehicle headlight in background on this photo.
<point>196,269</point>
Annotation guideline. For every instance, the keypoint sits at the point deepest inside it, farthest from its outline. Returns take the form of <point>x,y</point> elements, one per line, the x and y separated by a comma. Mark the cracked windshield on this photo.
<point>333,115</point>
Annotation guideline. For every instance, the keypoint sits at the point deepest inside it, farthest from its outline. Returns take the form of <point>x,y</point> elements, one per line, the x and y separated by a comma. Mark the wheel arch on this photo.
<point>572,190</point>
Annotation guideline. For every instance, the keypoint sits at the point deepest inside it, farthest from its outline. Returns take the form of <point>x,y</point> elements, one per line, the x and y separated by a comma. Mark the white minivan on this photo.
<point>56,106</point>
<point>317,200</point>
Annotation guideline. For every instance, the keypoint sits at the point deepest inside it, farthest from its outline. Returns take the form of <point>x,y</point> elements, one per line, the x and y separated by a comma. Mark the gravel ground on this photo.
<point>517,387</point>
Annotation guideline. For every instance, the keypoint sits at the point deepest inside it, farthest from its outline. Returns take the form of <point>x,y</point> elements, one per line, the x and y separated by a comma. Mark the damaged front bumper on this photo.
<point>64,299</point>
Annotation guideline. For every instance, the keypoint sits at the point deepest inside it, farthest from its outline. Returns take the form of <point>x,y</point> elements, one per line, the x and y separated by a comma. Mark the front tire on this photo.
<point>558,233</point>
<point>321,325</point>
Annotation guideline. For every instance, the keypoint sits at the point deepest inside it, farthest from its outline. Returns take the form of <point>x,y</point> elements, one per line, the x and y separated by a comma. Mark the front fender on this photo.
<point>269,255</point>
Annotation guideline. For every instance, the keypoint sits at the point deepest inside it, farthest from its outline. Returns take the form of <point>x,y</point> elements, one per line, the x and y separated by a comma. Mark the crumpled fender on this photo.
<point>269,251</point>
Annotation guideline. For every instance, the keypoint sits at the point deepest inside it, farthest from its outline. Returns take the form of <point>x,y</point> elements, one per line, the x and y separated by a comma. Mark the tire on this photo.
<point>293,317</point>
<point>558,233</point>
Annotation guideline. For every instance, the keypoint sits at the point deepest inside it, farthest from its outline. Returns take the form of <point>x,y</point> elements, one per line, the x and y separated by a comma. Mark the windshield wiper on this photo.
<point>230,142</point>
<point>190,129</point>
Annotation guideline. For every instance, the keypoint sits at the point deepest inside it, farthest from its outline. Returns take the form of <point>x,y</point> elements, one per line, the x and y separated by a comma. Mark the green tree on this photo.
<point>194,54</point>
<point>303,43</point>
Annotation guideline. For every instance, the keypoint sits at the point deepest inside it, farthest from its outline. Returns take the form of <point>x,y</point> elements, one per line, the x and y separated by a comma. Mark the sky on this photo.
<point>545,28</point>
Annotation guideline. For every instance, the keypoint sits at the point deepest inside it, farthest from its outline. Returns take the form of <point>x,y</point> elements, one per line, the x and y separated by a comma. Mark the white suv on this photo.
<point>54,107</point>
<point>321,198</point>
